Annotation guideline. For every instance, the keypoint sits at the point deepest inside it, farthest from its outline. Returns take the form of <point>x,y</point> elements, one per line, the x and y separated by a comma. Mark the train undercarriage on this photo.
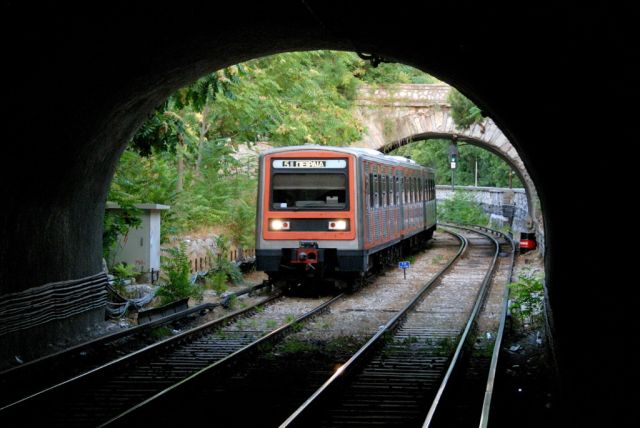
<point>328,268</point>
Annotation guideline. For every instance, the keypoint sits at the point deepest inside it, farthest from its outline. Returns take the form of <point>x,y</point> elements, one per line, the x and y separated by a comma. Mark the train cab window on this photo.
<point>310,191</point>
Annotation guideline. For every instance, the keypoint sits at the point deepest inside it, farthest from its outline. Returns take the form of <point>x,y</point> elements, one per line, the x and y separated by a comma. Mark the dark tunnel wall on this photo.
<point>77,83</point>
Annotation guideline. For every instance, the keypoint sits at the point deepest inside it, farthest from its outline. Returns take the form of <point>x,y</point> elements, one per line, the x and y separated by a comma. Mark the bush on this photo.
<point>462,208</point>
<point>527,297</point>
<point>177,275</point>
<point>218,282</point>
<point>224,265</point>
<point>122,272</point>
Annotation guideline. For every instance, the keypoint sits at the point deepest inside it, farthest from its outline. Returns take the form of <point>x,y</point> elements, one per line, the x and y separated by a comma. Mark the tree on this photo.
<point>464,112</point>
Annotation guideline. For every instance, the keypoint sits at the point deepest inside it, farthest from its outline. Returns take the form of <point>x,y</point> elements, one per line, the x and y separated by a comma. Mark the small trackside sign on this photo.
<point>309,163</point>
<point>404,266</point>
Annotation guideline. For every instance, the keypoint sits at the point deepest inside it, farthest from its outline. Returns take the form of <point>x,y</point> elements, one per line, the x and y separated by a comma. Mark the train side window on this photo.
<point>391,190</point>
<point>370,188</point>
<point>403,191</point>
<point>412,196</point>
<point>432,188</point>
<point>383,185</point>
<point>376,191</point>
<point>396,190</point>
<point>386,181</point>
<point>405,187</point>
<point>413,190</point>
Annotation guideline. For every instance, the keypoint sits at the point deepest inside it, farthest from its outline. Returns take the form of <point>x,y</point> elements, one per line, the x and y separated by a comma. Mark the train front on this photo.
<point>306,222</point>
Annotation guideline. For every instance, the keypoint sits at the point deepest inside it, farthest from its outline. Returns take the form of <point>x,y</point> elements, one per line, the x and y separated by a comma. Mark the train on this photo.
<point>339,214</point>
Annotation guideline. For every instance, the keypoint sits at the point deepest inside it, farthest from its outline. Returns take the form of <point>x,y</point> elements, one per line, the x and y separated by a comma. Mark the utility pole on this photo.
<point>476,181</point>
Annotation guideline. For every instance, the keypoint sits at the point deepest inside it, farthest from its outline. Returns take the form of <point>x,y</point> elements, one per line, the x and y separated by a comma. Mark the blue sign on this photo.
<point>404,265</point>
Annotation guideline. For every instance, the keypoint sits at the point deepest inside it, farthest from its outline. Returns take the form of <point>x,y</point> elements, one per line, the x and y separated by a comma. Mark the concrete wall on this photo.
<point>492,200</point>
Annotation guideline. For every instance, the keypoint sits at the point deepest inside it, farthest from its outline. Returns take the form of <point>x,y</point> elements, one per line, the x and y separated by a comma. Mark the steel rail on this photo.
<point>470,322</point>
<point>357,359</point>
<point>140,411</point>
<point>27,371</point>
<point>488,395</point>
<point>117,364</point>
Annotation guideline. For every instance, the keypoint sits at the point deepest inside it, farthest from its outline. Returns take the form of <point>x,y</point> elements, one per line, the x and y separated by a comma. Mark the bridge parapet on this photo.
<point>403,95</point>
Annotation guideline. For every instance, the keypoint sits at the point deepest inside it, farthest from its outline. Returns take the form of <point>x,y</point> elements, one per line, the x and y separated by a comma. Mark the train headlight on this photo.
<point>338,225</point>
<point>279,225</point>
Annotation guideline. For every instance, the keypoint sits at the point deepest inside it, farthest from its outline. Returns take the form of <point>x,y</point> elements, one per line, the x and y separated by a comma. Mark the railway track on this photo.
<point>95,397</point>
<point>27,379</point>
<point>264,389</point>
<point>160,386</point>
<point>467,397</point>
<point>402,376</point>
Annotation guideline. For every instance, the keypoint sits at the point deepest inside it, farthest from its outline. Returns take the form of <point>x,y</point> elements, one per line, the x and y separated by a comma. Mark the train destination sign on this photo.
<point>310,163</point>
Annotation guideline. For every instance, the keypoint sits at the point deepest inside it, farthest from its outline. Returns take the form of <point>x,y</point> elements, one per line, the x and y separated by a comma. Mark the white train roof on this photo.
<point>360,151</point>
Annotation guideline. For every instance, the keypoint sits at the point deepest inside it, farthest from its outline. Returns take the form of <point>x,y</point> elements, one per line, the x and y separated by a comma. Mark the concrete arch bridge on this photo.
<point>399,114</point>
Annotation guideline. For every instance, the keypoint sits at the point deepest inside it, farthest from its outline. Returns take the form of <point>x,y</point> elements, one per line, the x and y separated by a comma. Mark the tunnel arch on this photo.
<point>108,68</point>
<point>517,167</point>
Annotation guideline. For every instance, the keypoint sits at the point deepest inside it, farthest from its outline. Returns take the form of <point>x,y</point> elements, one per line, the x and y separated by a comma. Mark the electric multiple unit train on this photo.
<point>334,214</point>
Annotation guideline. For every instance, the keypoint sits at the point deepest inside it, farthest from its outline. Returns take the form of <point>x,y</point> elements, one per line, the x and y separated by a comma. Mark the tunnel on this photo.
<point>79,80</point>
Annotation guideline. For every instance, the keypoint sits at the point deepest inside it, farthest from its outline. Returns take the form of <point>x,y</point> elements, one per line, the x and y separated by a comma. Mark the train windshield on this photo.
<point>315,191</point>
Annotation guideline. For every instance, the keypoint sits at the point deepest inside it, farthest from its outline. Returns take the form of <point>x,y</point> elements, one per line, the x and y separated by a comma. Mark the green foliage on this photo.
<point>389,73</point>
<point>117,223</point>
<point>462,208</point>
<point>217,281</point>
<point>159,333</point>
<point>122,272</point>
<point>296,346</point>
<point>527,296</point>
<point>183,156</point>
<point>464,112</point>
<point>231,302</point>
<point>271,324</point>
<point>176,270</point>
<point>222,265</point>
